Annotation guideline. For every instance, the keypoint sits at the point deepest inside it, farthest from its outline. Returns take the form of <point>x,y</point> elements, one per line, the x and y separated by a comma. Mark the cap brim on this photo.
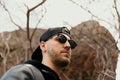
<point>37,54</point>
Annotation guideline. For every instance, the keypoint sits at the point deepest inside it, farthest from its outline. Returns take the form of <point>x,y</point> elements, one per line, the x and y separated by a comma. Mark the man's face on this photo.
<point>59,53</point>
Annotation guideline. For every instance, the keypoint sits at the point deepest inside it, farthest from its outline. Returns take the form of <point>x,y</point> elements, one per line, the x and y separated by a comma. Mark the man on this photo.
<point>48,60</point>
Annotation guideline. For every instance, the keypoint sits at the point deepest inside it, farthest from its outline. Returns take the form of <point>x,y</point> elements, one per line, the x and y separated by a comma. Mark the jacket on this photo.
<point>30,70</point>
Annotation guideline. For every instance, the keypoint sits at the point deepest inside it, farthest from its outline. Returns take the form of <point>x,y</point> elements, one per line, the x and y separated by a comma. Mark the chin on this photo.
<point>65,61</point>
<point>62,62</point>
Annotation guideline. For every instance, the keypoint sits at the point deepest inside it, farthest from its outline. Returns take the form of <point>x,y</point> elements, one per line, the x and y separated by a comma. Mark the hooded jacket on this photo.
<point>31,70</point>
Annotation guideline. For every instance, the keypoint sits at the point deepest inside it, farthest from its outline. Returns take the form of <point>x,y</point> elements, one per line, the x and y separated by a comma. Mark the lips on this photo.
<point>66,52</point>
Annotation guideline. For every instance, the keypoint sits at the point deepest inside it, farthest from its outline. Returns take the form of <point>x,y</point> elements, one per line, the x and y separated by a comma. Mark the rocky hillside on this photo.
<point>94,58</point>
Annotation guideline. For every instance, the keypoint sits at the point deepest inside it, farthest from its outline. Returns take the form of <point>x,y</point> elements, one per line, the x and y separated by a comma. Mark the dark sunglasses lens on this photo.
<point>62,39</point>
<point>72,44</point>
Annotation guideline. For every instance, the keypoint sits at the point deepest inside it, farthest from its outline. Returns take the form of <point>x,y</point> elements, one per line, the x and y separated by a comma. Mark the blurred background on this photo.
<point>95,24</point>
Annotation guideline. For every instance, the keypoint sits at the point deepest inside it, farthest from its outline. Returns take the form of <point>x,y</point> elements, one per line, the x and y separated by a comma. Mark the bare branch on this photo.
<point>90,12</point>
<point>28,17</point>
<point>36,6</point>
<point>38,23</point>
<point>41,17</point>
<point>117,12</point>
<point>1,57</point>
<point>4,7</point>
<point>6,52</point>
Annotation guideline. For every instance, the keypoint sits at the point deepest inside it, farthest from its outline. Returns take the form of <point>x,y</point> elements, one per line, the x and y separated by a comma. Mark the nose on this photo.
<point>67,45</point>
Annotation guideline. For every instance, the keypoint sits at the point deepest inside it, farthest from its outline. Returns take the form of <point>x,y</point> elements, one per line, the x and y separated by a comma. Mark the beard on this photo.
<point>61,63</point>
<point>59,59</point>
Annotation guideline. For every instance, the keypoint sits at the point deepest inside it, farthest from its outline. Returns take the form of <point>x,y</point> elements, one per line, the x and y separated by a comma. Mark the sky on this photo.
<point>58,13</point>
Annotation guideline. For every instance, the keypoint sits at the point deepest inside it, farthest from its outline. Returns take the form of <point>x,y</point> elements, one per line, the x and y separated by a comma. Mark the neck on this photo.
<point>52,66</point>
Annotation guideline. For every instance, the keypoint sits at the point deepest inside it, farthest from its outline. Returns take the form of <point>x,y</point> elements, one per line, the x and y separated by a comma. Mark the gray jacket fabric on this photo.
<point>23,72</point>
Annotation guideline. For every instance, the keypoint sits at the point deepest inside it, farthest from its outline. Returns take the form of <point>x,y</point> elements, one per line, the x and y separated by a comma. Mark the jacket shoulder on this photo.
<point>19,72</point>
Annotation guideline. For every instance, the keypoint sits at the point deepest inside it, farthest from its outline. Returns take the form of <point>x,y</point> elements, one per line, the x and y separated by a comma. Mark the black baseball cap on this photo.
<point>37,54</point>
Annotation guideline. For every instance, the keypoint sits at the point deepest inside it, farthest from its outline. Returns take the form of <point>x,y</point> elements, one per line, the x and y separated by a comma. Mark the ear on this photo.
<point>42,46</point>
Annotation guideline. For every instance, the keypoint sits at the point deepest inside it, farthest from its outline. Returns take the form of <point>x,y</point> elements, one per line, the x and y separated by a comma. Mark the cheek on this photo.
<point>51,47</point>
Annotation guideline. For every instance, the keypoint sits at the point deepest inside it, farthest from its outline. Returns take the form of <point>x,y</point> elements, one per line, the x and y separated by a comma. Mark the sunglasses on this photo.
<point>62,39</point>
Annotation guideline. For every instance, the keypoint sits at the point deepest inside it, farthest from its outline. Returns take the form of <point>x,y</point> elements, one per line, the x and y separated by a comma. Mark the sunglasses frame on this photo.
<point>62,39</point>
